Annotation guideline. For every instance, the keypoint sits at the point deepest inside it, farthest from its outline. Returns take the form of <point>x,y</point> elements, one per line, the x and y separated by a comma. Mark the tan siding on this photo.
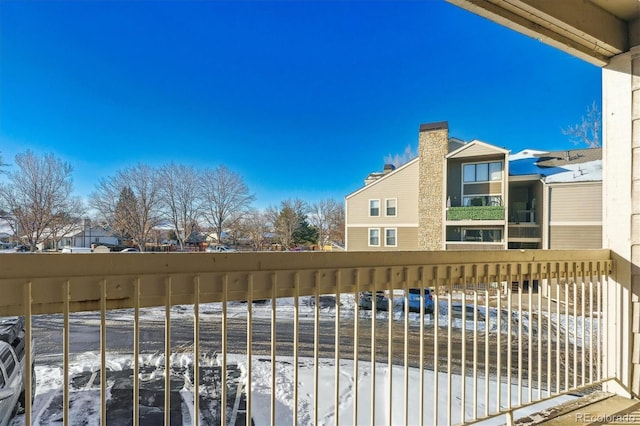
<point>576,203</point>
<point>575,237</point>
<point>478,150</point>
<point>402,185</point>
<point>358,239</point>
<point>483,188</point>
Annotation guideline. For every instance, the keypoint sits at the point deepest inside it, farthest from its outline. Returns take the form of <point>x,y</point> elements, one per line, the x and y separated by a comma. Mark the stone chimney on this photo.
<point>432,149</point>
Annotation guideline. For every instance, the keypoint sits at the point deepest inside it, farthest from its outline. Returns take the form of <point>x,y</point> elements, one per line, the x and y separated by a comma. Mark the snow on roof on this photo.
<point>526,153</point>
<point>583,172</point>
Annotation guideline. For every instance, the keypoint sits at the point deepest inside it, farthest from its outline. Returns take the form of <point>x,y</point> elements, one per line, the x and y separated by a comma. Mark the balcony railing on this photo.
<point>476,213</point>
<point>508,329</point>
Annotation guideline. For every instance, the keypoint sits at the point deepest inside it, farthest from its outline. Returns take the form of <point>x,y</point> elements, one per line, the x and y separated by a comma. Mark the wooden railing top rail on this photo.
<point>79,278</point>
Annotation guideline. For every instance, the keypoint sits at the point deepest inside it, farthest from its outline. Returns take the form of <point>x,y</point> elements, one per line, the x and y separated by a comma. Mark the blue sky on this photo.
<point>301,98</point>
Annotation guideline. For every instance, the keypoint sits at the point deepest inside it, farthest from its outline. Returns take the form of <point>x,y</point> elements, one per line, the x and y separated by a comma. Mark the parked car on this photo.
<point>219,249</point>
<point>68,249</point>
<point>414,300</point>
<point>130,250</point>
<point>13,368</point>
<point>365,301</point>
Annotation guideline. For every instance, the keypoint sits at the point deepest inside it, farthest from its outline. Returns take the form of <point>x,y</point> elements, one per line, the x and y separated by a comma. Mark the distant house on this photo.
<point>87,235</point>
<point>460,195</point>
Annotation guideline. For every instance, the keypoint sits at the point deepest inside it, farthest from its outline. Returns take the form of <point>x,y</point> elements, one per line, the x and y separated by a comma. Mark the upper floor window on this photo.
<point>482,172</point>
<point>391,206</point>
<point>390,237</point>
<point>374,207</point>
<point>374,237</point>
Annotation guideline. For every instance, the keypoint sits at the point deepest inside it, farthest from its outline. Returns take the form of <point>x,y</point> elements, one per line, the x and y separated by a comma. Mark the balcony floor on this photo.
<point>596,409</point>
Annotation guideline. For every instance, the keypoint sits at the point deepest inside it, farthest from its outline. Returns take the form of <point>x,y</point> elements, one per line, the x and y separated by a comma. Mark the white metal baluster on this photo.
<point>520,285</point>
<point>274,299</point>
<point>167,353</point>
<point>540,332</point>
<point>463,344</point>
<point>603,332</point>
<point>136,352</point>
<point>549,329</point>
<point>436,364</point>
<point>474,414</point>
<point>509,336</point>
<point>583,350</point>
<point>103,352</point>
<point>499,353</point>
<point>337,348</point>
<point>487,354</point>
<point>249,349</point>
<point>558,336</point>
<point>566,335</point>
<point>28,355</point>
<point>575,332</point>
<point>296,343</point>
<point>449,349</point>
<point>316,346</point>
<point>530,340</point>
<point>405,304</point>
<point>225,348</point>
<point>65,349</point>
<point>356,346</point>
<point>196,351</point>
<point>390,345</point>
<point>592,331</point>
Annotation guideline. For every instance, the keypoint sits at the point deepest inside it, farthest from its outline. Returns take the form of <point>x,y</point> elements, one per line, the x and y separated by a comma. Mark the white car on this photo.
<point>220,249</point>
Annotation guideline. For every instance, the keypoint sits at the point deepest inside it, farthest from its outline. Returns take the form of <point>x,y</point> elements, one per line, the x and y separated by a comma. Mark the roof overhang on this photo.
<point>593,30</point>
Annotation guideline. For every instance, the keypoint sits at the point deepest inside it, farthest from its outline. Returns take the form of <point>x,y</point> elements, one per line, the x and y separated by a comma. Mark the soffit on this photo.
<point>594,30</point>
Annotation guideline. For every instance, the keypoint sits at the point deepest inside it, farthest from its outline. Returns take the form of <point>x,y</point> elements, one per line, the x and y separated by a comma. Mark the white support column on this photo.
<point>621,218</point>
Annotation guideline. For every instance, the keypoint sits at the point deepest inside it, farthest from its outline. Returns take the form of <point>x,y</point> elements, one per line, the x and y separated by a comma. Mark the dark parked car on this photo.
<point>365,301</point>
<point>414,300</point>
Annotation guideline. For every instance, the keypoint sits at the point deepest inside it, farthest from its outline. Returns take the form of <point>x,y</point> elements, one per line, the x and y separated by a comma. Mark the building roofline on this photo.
<point>382,178</point>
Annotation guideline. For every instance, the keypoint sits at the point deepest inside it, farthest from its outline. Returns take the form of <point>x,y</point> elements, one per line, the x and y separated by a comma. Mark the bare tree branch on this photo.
<point>38,196</point>
<point>224,193</point>
<point>588,131</point>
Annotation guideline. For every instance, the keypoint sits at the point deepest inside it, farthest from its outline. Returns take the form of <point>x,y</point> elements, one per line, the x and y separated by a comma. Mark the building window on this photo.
<point>390,237</point>
<point>374,237</point>
<point>482,172</point>
<point>482,235</point>
<point>374,207</point>
<point>482,200</point>
<point>390,208</point>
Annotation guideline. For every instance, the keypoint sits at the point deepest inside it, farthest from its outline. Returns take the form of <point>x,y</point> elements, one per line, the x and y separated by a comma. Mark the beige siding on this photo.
<point>401,184</point>
<point>575,237</point>
<point>477,150</point>
<point>576,202</point>
<point>358,239</point>
<point>483,188</point>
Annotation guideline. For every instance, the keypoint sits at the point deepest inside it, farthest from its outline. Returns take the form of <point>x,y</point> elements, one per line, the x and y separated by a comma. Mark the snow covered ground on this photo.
<point>85,394</point>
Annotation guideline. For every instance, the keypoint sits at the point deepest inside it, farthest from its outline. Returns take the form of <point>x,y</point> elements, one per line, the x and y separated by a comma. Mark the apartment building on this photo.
<point>460,195</point>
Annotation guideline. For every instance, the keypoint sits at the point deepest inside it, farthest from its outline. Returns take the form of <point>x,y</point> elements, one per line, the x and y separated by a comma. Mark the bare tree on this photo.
<point>399,159</point>
<point>129,202</point>
<point>325,217</point>
<point>224,193</point>
<point>37,196</point>
<point>588,131</point>
<point>181,199</point>
<point>256,227</point>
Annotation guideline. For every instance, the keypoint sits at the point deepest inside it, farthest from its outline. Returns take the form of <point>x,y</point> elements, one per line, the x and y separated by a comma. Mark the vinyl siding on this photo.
<point>575,237</point>
<point>358,239</point>
<point>575,203</point>
<point>401,185</point>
